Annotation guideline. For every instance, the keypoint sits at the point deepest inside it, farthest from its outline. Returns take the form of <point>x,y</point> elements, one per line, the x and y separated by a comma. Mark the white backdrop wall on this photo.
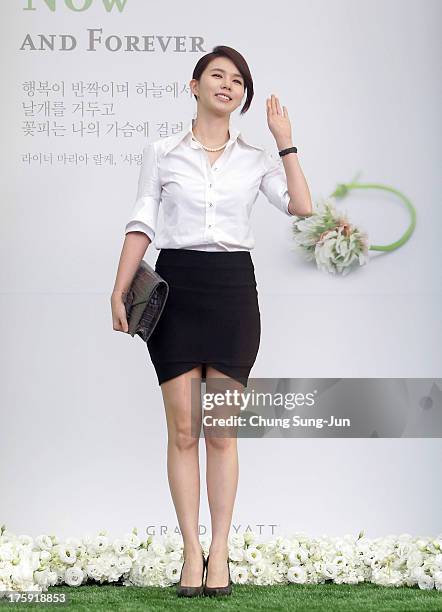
<point>83,432</point>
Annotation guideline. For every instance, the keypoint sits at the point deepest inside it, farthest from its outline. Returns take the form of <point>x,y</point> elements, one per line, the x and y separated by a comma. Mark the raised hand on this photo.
<point>279,122</point>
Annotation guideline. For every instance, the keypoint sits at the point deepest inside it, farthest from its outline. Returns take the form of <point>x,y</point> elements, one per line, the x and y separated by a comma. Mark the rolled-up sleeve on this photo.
<point>274,183</point>
<point>145,210</point>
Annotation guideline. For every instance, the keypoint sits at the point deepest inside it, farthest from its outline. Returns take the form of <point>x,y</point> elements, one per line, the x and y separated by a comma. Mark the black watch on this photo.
<point>289,150</point>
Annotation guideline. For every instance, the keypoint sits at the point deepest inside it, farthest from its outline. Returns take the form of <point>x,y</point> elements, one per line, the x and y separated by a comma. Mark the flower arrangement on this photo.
<point>28,564</point>
<point>328,237</point>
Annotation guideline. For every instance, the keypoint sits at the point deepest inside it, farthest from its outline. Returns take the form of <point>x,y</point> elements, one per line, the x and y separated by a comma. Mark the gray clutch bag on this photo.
<point>145,301</point>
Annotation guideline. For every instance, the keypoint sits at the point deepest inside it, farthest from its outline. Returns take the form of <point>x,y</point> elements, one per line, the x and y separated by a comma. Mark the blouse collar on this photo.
<point>174,140</point>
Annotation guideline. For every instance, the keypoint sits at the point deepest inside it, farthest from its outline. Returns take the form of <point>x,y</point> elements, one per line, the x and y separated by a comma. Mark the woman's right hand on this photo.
<point>134,247</point>
<point>119,319</point>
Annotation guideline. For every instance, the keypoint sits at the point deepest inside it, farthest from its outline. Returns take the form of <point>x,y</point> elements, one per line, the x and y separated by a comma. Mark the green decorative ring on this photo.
<point>342,190</point>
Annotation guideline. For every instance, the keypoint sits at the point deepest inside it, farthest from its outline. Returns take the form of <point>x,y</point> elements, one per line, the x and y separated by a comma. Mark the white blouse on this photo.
<point>185,202</point>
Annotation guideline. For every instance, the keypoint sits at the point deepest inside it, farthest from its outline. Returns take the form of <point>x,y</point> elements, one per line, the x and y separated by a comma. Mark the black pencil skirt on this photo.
<point>211,316</point>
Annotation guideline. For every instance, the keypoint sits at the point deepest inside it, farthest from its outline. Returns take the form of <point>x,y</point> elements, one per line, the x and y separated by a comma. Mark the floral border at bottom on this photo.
<point>34,564</point>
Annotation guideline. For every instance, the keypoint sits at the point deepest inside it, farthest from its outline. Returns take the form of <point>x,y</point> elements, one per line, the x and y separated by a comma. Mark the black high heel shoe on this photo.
<point>191,591</point>
<point>222,590</point>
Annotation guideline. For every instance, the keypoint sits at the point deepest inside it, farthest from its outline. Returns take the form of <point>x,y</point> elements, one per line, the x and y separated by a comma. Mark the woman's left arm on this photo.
<point>279,124</point>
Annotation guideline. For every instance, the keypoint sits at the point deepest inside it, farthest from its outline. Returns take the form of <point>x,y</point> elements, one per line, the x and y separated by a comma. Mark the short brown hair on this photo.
<point>237,59</point>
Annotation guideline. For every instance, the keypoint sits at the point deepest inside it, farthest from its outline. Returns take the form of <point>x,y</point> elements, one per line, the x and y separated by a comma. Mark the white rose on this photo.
<point>67,553</point>
<point>5,570</point>
<point>94,571</point>
<point>297,574</point>
<point>426,582</point>
<point>23,572</point>
<point>158,549</point>
<point>99,544</point>
<point>172,571</point>
<point>132,539</point>
<point>120,547</point>
<point>252,554</point>
<point>239,574</point>
<point>236,554</point>
<point>257,569</point>
<point>124,564</point>
<point>438,580</point>
<point>43,542</point>
<point>249,537</point>
<point>6,552</point>
<point>25,540</point>
<point>42,578</point>
<point>237,540</point>
<point>73,576</point>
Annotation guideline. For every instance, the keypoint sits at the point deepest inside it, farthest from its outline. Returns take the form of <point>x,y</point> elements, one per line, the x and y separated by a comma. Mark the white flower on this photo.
<point>422,544</point>
<point>389,561</point>
<point>268,575</point>
<point>257,569</point>
<point>124,563</point>
<point>173,543</point>
<point>158,549</point>
<point>73,576</point>
<point>75,542</point>
<point>297,574</point>
<point>285,546</point>
<point>94,571</point>
<point>252,554</point>
<point>426,582</point>
<point>249,538</point>
<point>6,552</point>
<point>173,570</point>
<point>45,578</point>
<point>205,542</point>
<point>25,540</point>
<point>99,544</point>
<point>329,238</point>
<point>41,577</point>
<point>415,559</point>
<point>237,540</point>
<point>330,570</point>
<point>5,570</point>
<point>120,547</point>
<point>303,554</point>
<point>43,542</point>
<point>67,553</point>
<point>383,577</point>
<point>438,580</point>
<point>23,574</point>
<point>239,574</point>
<point>293,556</point>
<point>133,540</point>
<point>236,554</point>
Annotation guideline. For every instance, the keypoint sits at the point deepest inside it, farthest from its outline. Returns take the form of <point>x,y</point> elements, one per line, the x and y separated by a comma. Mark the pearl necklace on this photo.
<point>208,148</point>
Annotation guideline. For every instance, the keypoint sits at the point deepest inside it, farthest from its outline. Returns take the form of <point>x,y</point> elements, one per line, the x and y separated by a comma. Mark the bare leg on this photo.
<point>183,468</point>
<point>222,481</point>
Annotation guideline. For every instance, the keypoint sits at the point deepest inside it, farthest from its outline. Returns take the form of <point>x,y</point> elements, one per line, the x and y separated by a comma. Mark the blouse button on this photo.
<point>210,203</point>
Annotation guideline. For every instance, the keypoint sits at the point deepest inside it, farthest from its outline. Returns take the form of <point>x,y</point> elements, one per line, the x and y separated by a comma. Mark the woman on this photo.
<point>207,179</point>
